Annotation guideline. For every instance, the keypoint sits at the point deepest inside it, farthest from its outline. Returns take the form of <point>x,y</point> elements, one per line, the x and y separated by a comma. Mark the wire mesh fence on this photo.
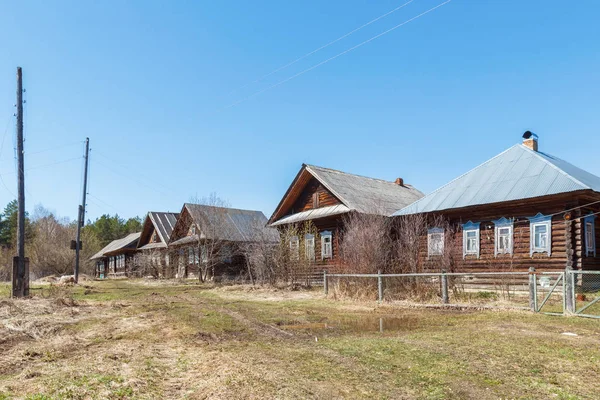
<point>537,291</point>
<point>586,293</point>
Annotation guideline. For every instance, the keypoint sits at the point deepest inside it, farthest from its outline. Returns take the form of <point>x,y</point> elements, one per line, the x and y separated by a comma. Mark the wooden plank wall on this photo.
<point>305,200</point>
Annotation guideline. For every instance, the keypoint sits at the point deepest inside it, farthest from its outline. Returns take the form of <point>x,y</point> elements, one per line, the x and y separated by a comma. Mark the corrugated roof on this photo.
<point>129,241</point>
<point>313,214</point>
<point>363,194</point>
<point>517,173</point>
<point>231,224</point>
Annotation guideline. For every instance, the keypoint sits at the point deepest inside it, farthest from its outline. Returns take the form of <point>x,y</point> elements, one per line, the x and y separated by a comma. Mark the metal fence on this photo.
<point>585,296</point>
<point>543,292</point>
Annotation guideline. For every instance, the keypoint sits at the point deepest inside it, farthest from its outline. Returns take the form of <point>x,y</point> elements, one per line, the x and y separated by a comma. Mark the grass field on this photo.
<point>135,339</point>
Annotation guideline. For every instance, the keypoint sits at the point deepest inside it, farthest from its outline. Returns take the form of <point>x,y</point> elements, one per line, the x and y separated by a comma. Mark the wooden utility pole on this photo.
<point>20,281</point>
<point>81,219</point>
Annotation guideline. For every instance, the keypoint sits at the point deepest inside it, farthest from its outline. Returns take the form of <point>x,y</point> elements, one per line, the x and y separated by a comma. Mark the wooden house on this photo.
<point>210,240</point>
<point>522,208</point>
<point>320,198</point>
<point>116,259</point>
<point>154,238</point>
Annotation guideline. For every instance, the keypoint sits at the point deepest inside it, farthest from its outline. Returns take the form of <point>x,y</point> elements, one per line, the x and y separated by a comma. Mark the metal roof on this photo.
<point>313,214</point>
<point>128,242</point>
<point>517,173</point>
<point>230,224</point>
<point>363,194</point>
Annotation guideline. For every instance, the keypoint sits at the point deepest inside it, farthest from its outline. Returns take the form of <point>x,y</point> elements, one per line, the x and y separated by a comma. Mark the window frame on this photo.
<point>431,232</point>
<point>471,227</point>
<point>590,245</point>
<point>294,247</point>
<point>326,247</point>
<point>309,247</point>
<point>503,223</point>
<point>537,221</point>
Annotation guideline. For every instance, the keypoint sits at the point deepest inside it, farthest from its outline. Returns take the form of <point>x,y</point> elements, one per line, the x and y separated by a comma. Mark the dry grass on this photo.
<point>120,339</point>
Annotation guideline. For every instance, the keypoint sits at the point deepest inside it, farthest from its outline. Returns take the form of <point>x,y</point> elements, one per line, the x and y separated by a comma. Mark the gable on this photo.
<point>182,226</point>
<point>314,195</point>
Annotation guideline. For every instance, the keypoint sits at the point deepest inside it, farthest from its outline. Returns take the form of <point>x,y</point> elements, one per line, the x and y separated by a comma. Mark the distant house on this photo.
<point>116,258</point>
<point>522,208</point>
<point>211,239</point>
<point>321,197</point>
<point>154,238</point>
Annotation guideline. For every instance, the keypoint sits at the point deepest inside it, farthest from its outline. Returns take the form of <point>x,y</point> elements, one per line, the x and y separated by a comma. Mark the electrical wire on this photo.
<point>333,57</point>
<point>45,165</point>
<point>310,53</point>
<point>2,148</point>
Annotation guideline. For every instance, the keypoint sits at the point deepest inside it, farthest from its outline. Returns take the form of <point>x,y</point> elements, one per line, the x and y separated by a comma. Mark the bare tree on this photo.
<point>212,231</point>
<point>260,254</point>
<point>148,263</point>
<point>409,231</point>
<point>366,245</point>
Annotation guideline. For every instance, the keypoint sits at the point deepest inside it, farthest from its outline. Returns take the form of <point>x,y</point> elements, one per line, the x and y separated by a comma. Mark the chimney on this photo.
<point>399,181</point>
<point>530,140</point>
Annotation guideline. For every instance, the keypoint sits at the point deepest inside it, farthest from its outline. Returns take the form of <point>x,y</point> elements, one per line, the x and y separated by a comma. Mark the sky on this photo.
<point>170,95</point>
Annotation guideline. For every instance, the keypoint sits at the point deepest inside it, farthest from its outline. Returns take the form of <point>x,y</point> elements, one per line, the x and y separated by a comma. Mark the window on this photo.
<point>435,242</point>
<point>193,229</point>
<point>470,239</point>
<point>315,200</point>
<point>309,246</point>
<point>191,256</point>
<point>204,254</point>
<point>590,235</point>
<point>541,234</point>
<point>294,247</point>
<point>155,237</point>
<point>503,236</point>
<point>326,245</point>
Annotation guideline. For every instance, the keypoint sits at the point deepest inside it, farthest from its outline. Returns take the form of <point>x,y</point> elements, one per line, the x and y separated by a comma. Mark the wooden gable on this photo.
<point>305,193</point>
<point>182,226</point>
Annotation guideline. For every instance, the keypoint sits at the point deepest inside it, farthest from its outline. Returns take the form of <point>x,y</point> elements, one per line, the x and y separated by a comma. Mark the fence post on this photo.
<point>532,289</point>
<point>569,291</point>
<point>445,298</point>
<point>325,283</point>
<point>380,285</point>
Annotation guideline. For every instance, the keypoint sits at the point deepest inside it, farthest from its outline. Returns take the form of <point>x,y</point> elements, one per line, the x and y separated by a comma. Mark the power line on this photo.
<point>321,48</point>
<point>45,165</point>
<point>55,148</point>
<point>334,57</point>
<point>2,148</point>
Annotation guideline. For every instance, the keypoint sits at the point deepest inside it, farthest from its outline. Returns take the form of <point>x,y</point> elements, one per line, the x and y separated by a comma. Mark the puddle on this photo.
<point>358,324</point>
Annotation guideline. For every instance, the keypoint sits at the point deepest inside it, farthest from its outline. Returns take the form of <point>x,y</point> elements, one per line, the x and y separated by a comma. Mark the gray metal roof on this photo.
<point>163,223</point>
<point>517,173</point>
<point>312,214</point>
<point>231,224</point>
<point>129,241</point>
<point>363,194</point>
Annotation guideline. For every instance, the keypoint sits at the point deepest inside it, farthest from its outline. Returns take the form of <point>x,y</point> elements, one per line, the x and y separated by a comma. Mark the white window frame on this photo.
<point>501,224</point>
<point>295,248</point>
<point>309,247</point>
<point>470,227</point>
<point>193,229</point>
<point>537,221</point>
<point>326,247</point>
<point>437,250</point>
<point>191,255</point>
<point>590,235</point>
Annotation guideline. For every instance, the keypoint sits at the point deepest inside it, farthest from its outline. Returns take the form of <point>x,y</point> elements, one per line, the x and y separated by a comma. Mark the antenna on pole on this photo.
<point>81,212</point>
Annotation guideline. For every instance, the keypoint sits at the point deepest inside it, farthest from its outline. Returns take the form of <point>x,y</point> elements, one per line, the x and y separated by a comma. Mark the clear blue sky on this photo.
<point>148,82</point>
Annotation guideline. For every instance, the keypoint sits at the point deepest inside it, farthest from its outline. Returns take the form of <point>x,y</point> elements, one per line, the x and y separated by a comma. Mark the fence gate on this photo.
<point>586,293</point>
<point>549,292</point>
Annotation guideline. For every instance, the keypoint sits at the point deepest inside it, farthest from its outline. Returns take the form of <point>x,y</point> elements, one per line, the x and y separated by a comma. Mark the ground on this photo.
<point>150,340</point>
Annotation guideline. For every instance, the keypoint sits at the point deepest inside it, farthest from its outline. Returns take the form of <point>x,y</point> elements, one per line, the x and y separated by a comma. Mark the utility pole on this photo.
<point>81,219</point>
<point>20,281</point>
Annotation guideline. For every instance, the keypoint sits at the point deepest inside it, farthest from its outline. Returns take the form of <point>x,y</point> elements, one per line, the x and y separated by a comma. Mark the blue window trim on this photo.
<point>471,226</point>
<point>539,219</point>
<point>503,223</point>
<point>590,248</point>
<point>435,230</point>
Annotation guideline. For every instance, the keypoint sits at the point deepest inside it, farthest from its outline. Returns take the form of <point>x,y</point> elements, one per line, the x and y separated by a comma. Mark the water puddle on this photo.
<point>356,324</point>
